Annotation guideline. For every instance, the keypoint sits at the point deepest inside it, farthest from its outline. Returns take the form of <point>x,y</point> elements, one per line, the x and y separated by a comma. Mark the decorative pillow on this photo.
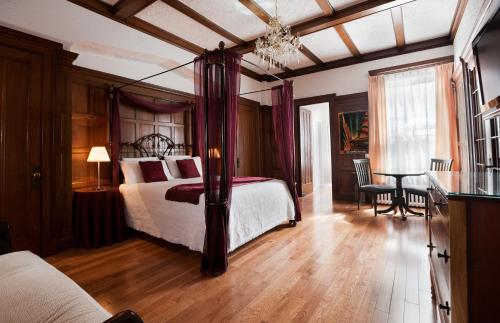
<point>132,171</point>
<point>174,169</point>
<point>188,169</point>
<point>152,171</point>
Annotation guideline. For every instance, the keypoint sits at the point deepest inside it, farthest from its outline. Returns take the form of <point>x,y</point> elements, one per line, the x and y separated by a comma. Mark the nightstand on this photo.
<point>99,216</point>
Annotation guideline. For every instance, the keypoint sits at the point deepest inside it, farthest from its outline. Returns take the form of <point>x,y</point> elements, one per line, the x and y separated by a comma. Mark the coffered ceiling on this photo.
<point>334,32</point>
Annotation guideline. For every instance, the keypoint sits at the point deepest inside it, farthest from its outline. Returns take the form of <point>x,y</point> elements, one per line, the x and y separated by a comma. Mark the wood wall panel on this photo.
<point>51,228</point>
<point>343,180</point>
<point>270,162</point>
<point>248,146</point>
<point>91,111</point>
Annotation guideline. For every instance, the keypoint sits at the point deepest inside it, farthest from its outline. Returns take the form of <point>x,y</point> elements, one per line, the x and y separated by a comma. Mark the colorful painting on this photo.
<point>353,129</point>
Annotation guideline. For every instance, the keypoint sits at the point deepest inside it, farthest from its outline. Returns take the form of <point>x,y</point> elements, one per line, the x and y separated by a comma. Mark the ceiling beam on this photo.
<point>128,8</point>
<point>265,17</point>
<point>457,17</point>
<point>410,48</point>
<point>397,22</point>
<point>337,18</point>
<point>181,7</point>
<point>106,10</point>
<point>327,9</point>
<point>347,40</point>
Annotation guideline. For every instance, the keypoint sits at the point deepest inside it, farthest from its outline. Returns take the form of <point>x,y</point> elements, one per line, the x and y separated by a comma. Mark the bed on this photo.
<point>255,209</point>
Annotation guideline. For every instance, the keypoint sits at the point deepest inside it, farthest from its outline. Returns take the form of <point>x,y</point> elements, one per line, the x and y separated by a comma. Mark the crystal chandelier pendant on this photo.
<point>278,45</point>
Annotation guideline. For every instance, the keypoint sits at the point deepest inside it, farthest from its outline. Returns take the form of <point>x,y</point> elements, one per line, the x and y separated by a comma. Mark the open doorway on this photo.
<point>314,171</point>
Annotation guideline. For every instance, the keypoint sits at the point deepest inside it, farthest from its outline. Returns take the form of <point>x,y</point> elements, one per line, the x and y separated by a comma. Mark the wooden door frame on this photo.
<point>327,98</point>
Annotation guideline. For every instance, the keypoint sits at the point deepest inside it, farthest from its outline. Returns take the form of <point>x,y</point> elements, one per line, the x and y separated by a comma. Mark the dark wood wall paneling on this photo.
<point>91,124</point>
<point>39,215</point>
<point>343,180</point>
<point>270,162</point>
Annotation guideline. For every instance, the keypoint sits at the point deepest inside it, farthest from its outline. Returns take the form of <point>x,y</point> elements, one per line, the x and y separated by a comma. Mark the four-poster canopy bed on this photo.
<point>236,210</point>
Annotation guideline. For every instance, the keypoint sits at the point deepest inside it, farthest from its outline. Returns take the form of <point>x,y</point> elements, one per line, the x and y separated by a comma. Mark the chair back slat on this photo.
<point>443,165</point>
<point>363,171</point>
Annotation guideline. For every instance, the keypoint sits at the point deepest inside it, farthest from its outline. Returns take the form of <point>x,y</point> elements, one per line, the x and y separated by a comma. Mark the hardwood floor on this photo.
<point>337,265</point>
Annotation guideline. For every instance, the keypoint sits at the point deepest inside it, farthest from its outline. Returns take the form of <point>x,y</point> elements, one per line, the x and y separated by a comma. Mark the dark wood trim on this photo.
<point>325,6</point>
<point>338,18</point>
<point>145,27</point>
<point>330,98</point>
<point>457,17</point>
<point>311,55</point>
<point>181,7</point>
<point>397,22</point>
<point>129,8</point>
<point>347,40</point>
<point>427,44</point>
<point>409,66</point>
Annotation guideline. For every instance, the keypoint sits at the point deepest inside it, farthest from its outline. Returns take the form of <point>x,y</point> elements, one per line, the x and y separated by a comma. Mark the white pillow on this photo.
<point>174,169</point>
<point>132,171</point>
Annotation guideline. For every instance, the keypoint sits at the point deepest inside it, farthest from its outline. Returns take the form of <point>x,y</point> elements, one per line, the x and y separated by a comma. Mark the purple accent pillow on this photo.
<point>187,167</point>
<point>152,171</point>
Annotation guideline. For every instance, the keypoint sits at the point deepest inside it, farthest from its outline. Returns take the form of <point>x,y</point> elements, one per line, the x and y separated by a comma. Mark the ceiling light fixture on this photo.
<point>278,46</point>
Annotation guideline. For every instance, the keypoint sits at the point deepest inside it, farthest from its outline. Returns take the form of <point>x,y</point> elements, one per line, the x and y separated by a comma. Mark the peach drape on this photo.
<point>446,116</point>
<point>377,120</point>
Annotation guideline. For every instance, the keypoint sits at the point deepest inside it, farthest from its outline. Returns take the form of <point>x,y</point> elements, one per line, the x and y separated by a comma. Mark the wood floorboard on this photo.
<point>338,265</point>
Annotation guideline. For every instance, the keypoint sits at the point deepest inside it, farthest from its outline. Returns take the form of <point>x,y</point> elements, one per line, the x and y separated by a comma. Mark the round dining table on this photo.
<point>399,202</point>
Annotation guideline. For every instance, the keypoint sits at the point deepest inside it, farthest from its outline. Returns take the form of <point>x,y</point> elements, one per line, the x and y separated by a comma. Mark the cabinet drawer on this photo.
<point>439,240</point>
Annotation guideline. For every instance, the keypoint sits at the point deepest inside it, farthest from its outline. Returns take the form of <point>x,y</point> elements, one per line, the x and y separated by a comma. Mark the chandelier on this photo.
<point>278,46</point>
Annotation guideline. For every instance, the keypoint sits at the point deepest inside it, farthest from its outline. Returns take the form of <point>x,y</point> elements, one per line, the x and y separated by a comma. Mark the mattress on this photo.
<point>255,209</point>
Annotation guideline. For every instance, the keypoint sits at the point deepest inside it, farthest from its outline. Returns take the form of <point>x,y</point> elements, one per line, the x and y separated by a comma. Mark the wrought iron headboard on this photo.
<point>153,145</point>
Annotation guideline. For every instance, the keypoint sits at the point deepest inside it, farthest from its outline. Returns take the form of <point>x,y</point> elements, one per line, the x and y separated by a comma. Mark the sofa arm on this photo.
<point>126,316</point>
<point>5,239</point>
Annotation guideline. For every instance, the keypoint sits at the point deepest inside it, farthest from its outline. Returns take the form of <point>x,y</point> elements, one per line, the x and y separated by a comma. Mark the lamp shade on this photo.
<point>98,154</point>
<point>214,152</point>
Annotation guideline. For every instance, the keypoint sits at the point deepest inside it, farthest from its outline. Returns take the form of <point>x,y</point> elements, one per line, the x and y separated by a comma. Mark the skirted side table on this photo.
<point>99,216</point>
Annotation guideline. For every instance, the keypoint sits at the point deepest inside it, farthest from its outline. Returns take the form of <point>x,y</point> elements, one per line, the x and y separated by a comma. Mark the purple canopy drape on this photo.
<point>119,95</point>
<point>217,88</point>
<point>283,120</point>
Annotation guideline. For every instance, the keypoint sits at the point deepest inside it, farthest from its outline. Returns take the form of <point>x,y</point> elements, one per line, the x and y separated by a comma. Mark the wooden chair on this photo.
<point>365,184</point>
<point>442,165</point>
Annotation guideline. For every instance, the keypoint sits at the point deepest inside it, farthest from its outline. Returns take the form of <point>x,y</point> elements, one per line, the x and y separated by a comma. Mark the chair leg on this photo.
<point>374,202</point>
<point>359,198</point>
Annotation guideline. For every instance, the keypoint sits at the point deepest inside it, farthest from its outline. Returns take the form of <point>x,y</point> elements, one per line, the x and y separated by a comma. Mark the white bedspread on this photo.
<point>31,290</point>
<point>255,209</point>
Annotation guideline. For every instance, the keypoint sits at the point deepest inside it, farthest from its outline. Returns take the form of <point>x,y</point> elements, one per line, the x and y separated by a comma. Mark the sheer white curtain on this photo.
<point>411,120</point>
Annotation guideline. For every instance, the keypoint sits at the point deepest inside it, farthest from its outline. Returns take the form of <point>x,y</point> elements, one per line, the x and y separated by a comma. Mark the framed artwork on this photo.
<point>353,131</point>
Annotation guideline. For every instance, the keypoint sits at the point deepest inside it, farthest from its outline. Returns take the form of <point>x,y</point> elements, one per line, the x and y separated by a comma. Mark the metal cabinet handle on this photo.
<point>36,177</point>
<point>445,307</point>
<point>444,255</point>
<point>431,246</point>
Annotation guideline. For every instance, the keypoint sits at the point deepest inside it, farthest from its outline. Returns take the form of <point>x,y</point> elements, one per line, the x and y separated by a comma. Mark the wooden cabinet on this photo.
<point>464,247</point>
<point>439,249</point>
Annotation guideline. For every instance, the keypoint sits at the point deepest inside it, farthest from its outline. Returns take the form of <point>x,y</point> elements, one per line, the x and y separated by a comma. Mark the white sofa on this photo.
<point>31,290</point>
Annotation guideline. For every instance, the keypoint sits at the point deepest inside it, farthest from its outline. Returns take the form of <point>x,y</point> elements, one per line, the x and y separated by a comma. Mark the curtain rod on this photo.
<point>412,66</point>
<point>148,77</point>
<point>255,91</point>
<point>262,69</point>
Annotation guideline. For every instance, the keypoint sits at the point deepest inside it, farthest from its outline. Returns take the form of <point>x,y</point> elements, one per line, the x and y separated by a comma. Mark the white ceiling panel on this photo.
<point>111,2</point>
<point>230,15</point>
<point>303,62</point>
<point>292,11</point>
<point>342,4</point>
<point>427,19</point>
<point>326,44</point>
<point>372,33</point>
<point>171,20</point>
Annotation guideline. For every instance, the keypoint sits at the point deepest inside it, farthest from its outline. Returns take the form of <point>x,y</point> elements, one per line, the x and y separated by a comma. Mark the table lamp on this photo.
<point>98,155</point>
